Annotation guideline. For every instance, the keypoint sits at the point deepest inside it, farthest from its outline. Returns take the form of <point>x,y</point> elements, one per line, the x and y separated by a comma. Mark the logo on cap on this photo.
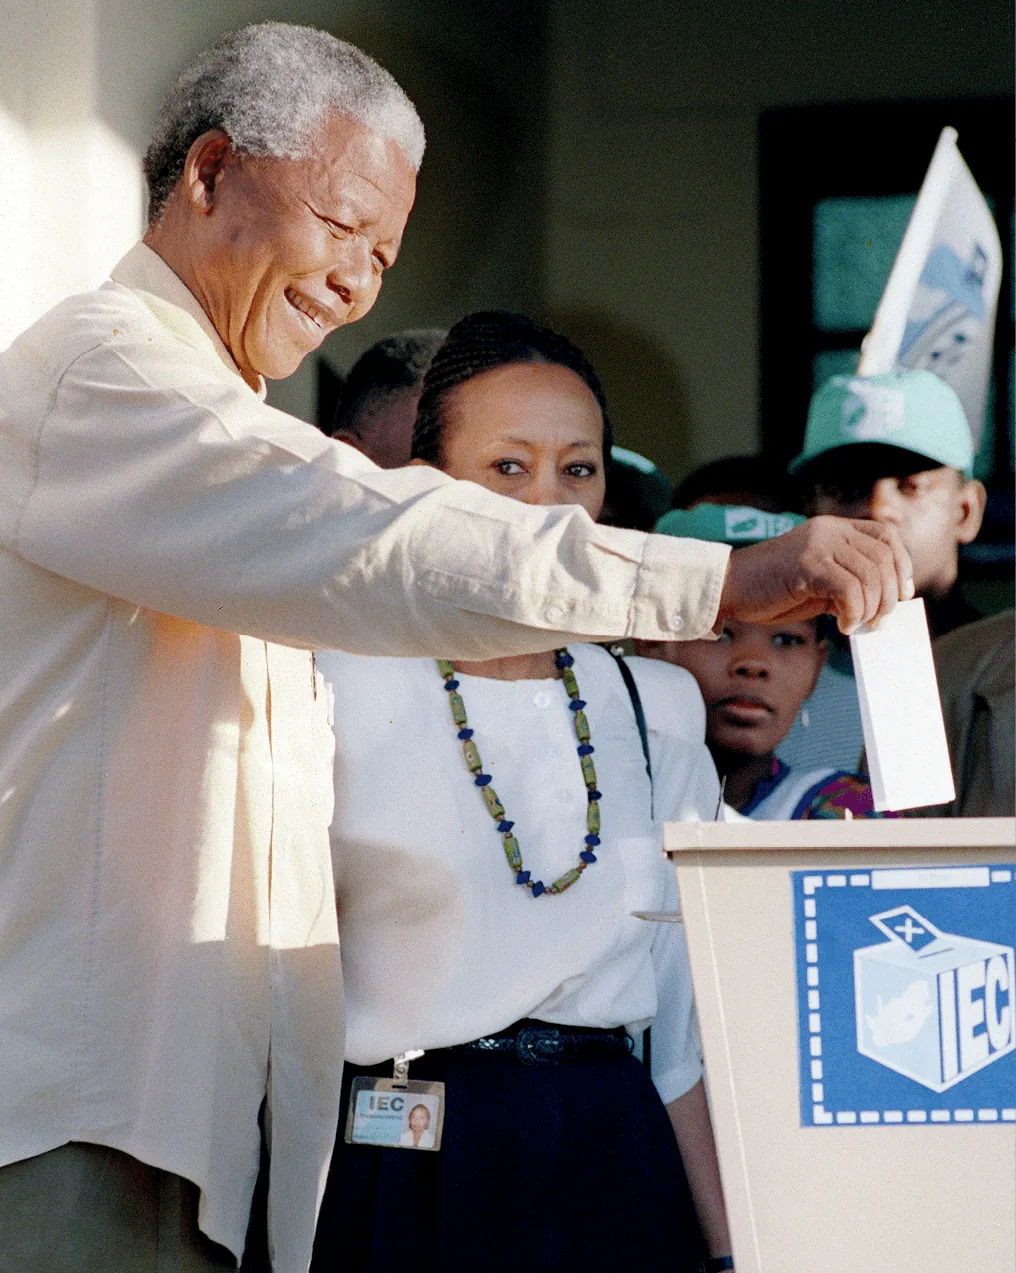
<point>871,413</point>
<point>753,525</point>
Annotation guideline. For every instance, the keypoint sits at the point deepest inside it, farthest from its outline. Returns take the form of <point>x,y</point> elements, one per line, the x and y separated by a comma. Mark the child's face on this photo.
<point>754,680</point>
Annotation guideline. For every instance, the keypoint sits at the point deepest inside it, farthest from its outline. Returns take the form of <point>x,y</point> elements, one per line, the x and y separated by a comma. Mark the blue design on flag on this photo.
<point>942,338</point>
<point>906,984</point>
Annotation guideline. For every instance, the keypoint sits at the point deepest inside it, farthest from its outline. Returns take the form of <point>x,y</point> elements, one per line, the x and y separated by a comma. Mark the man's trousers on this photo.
<point>89,1209</point>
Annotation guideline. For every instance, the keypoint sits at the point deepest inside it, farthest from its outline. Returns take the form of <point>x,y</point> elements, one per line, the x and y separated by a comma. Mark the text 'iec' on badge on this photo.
<point>906,995</point>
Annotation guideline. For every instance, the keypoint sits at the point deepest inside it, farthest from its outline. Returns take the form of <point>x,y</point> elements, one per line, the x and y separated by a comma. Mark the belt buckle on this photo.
<point>536,1045</point>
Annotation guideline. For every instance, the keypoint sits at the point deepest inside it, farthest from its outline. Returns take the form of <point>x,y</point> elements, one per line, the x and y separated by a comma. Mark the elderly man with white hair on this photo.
<point>171,551</point>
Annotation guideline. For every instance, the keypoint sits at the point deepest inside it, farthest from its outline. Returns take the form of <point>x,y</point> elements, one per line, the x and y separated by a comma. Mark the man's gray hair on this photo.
<point>270,88</point>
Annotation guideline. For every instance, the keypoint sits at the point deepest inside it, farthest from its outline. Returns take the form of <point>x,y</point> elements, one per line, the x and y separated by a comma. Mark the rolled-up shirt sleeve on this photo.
<point>170,484</point>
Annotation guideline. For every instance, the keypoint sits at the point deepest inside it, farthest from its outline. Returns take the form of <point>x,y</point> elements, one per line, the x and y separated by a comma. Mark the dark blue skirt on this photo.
<point>542,1169</point>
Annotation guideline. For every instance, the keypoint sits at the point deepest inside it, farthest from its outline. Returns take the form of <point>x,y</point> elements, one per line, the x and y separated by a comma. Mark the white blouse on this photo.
<point>439,945</point>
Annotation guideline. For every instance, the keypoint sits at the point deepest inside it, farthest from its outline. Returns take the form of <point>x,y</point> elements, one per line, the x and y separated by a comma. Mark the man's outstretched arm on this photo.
<point>198,500</point>
<point>855,570</point>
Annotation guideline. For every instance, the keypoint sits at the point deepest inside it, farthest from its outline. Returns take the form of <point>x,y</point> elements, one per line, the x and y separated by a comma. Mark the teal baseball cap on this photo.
<point>726,524</point>
<point>911,410</point>
<point>637,491</point>
<point>646,481</point>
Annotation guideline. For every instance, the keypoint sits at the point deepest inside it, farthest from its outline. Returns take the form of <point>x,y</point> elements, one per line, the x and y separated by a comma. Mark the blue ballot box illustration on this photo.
<point>934,1006</point>
<point>918,1025</point>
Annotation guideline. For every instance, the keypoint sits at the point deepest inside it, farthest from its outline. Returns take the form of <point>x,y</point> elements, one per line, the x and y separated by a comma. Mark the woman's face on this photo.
<point>419,1118</point>
<point>754,680</point>
<point>532,431</point>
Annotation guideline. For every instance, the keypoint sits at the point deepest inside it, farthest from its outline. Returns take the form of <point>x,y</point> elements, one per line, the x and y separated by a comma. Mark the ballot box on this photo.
<point>856,996</point>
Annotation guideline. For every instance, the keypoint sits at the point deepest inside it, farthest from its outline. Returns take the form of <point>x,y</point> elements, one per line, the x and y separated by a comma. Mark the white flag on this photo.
<point>938,308</point>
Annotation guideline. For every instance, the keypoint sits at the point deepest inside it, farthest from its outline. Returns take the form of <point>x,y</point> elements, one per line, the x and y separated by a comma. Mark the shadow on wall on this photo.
<point>646,397</point>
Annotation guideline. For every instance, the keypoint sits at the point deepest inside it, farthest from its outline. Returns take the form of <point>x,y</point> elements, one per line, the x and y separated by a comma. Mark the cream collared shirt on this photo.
<point>171,549</point>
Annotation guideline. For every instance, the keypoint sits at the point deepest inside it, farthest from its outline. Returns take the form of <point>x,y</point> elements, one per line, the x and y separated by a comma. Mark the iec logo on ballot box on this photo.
<point>906,995</point>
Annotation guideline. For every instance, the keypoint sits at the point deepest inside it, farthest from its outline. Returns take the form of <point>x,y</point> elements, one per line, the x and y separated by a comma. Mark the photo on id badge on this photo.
<point>906,995</point>
<point>383,1112</point>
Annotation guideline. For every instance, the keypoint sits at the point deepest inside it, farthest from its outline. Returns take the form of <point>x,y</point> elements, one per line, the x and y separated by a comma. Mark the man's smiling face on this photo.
<point>293,248</point>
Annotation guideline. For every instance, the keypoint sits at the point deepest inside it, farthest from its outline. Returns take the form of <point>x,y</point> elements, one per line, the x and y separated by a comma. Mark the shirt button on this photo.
<point>541,698</point>
<point>553,614</point>
<point>675,622</point>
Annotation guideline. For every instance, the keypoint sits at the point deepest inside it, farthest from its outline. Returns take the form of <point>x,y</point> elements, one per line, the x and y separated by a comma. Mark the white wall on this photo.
<point>70,185</point>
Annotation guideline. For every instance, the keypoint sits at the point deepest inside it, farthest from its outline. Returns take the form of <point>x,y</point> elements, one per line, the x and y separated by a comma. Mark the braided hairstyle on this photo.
<point>480,342</point>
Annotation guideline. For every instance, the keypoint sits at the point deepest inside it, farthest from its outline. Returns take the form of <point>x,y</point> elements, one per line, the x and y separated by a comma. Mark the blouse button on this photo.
<point>675,622</point>
<point>553,614</point>
<point>541,698</point>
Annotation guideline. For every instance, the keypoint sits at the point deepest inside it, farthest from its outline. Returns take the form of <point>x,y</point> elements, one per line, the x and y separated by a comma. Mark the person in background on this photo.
<point>976,669</point>
<point>638,493</point>
<point>494,965</point>
<point>754,680</point>
<point>893,449</point>
<point>377,403</point>
<point>754,481</point>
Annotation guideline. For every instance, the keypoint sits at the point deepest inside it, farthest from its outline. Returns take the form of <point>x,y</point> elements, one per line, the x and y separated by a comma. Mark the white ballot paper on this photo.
<point>901,712</point>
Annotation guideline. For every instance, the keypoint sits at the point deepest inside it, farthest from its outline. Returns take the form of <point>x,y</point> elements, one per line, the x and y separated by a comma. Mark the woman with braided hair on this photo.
<point>496,832</point>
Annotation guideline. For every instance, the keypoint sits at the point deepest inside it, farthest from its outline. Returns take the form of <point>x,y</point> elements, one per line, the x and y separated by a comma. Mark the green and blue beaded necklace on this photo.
<point>512,852</point>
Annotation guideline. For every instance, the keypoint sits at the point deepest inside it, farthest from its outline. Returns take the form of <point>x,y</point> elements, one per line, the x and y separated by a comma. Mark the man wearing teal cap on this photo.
<point>892,448</point>
<point>896,448</point>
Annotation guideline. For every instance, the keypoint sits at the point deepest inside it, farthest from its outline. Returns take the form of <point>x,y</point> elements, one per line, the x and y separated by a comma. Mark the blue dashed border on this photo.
<point>821,1117</point>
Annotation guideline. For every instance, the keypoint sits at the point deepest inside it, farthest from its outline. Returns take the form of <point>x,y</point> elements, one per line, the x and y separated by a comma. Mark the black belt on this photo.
<point>537,1043</point>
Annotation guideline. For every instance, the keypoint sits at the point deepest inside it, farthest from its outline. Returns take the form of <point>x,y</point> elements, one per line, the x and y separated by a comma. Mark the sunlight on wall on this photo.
<point>70,206</point>
<point>70,187</point>
<point>87,208</point>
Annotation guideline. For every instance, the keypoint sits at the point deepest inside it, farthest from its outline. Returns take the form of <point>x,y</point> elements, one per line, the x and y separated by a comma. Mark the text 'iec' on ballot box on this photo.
<point>856,998</point>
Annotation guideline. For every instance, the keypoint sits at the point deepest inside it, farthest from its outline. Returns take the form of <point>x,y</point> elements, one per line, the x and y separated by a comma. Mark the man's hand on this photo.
<point>828,565</point>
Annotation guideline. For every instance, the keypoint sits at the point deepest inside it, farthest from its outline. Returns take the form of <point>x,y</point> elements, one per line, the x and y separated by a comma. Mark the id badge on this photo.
<point>396,1115</point>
